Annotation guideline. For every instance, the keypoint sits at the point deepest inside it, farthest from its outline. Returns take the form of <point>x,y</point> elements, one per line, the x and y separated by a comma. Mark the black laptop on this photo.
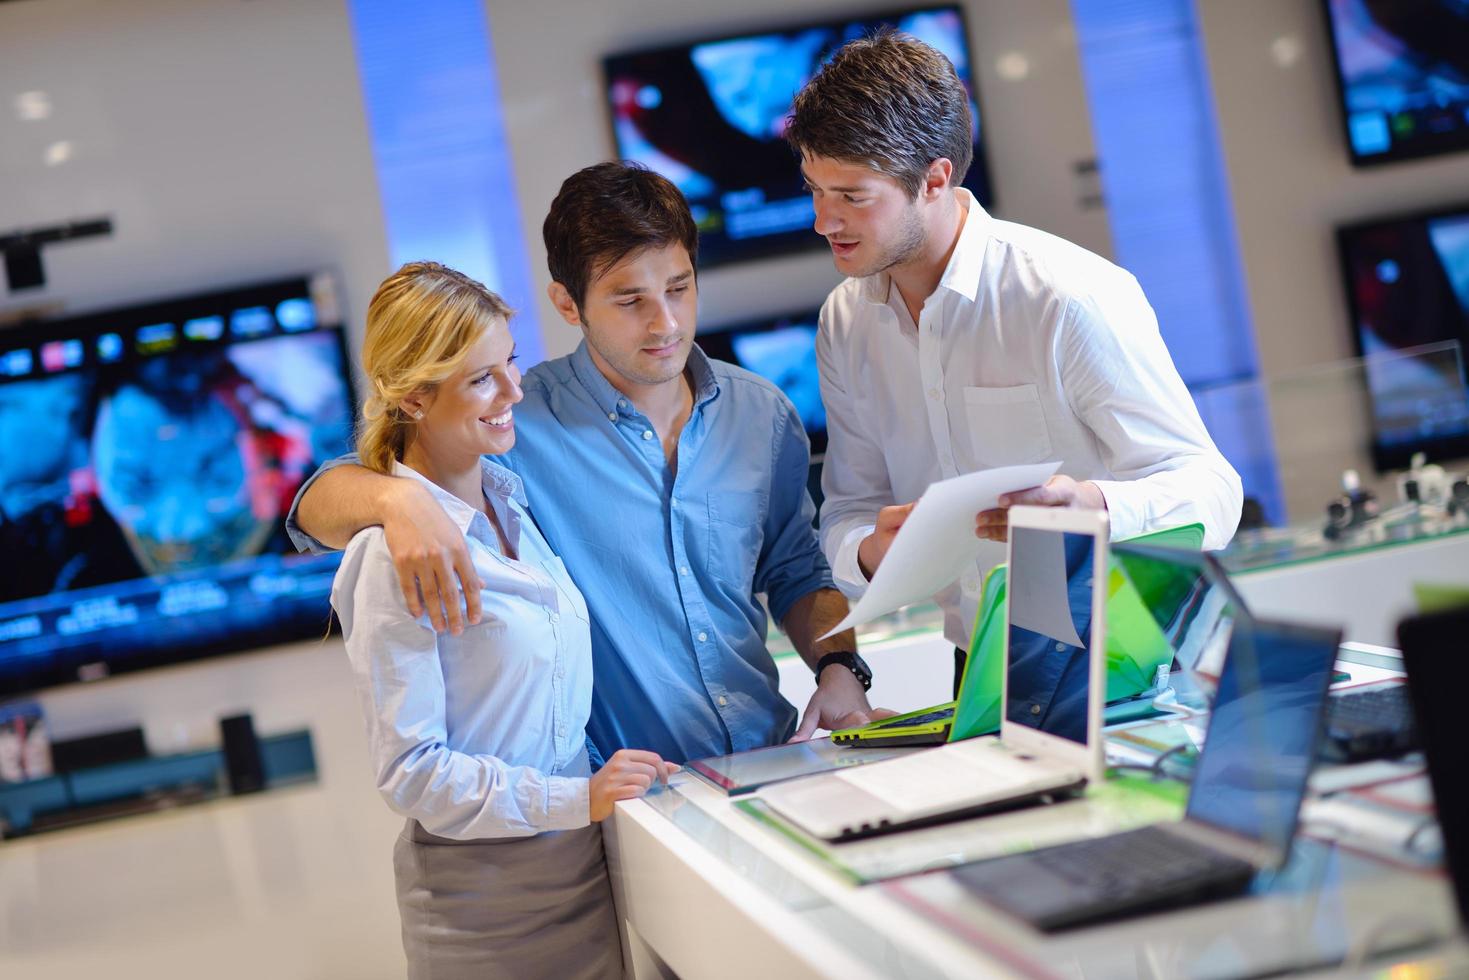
<point>1263,736</point>
<point>1436,654</point>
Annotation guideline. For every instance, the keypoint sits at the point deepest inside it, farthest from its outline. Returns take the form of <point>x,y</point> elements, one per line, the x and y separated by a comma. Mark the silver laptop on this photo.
<point>1050,740</point>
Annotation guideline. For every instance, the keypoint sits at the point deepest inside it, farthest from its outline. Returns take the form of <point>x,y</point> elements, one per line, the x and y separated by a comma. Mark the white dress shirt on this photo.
<point>482,734</point>
<point>1030,349</point>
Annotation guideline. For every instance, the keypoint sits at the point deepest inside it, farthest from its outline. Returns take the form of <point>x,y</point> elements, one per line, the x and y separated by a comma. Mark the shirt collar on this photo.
<point>609,399</point>
<point>701,372</point>
<point>500,486</point>
<point>961,275</point>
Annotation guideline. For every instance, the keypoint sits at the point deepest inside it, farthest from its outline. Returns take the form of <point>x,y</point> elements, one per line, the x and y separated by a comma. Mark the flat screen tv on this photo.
<point>1408,287</point>
<point>151,455</point>
<point>781,349</point>
<point>1402,69</point>
<point>710,115</point>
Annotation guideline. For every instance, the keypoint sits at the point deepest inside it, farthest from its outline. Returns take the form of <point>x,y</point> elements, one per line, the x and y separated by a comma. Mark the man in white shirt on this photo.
<point>960,342</point>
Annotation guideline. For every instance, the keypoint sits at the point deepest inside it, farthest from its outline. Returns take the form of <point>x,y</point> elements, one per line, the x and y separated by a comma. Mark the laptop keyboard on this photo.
<point>1370,724</point>
<point>1104,877</point>
<point>927,718</point>
<point>1137,861</point>
<point>947,776</point>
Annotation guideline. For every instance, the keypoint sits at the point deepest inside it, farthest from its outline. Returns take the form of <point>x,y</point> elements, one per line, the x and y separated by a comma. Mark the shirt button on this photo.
<point>1060,647</point>
<point>647,433</point>
<point>703,637</point>
<point>723,700</point>
<point>611,416</point>
<point>683,569</point>
<point>1035,709</point>
<point>673,504</point>
<point>933,393</point>
<point>555,618</point>
<point>622,403</point>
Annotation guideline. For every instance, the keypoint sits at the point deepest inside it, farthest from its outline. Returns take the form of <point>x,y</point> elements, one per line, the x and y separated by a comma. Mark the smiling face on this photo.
<point>469,414</point>
<point>639,317</point>
<point>870,221</point>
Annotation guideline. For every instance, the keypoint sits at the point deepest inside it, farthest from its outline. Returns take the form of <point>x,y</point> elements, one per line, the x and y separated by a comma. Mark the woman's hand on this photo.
<point>626,776</point>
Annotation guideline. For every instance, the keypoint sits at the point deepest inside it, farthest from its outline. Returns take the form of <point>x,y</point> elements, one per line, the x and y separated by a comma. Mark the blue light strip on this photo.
<point>438,140</point>
<point>1169,208</point>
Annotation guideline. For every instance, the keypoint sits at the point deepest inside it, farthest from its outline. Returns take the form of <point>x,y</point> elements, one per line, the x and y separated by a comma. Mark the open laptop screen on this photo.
<point>1050,617</point>
<point>1263,731</point>
<point>1438,676</point>
<point>1190,599</point>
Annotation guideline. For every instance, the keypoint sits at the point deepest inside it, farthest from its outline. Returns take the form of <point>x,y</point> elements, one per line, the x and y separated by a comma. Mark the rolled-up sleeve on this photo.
<point>854,477</point>
<point>790,564</point>
<point>1120,380</point>
<point>303,541</point>
<point>400,683</point>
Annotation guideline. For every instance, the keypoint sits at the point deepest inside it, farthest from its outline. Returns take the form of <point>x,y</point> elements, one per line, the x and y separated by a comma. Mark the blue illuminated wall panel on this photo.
<point>1169,208</point>
<point>438,140</point>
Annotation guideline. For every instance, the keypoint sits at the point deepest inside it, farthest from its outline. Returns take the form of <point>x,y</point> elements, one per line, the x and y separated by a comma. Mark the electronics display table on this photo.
<point>707,891</point>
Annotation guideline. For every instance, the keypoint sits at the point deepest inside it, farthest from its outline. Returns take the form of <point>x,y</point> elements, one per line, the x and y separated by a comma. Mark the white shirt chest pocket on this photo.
<point>1007,426</point>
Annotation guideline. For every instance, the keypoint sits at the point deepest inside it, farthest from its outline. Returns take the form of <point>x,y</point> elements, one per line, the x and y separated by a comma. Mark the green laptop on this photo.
<point>1136,648</point>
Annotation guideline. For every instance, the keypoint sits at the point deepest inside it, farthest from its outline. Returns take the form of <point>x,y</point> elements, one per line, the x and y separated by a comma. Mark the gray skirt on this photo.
<point>516,907</point>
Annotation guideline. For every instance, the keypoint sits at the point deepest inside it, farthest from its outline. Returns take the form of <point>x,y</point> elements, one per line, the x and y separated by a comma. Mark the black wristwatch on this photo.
<point>849,660</point>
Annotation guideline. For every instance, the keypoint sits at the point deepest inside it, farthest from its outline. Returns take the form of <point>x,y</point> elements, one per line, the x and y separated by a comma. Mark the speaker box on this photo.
<point>98,750</point>
<point>242,758</point>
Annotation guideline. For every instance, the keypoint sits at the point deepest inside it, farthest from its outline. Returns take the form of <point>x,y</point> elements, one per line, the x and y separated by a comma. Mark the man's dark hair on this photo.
<point>608,211</point>
<point>889,102</point>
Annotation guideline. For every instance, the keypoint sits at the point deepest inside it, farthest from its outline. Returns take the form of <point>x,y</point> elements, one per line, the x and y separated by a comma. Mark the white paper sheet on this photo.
<point>936,543</point>
<point>1040,598</point>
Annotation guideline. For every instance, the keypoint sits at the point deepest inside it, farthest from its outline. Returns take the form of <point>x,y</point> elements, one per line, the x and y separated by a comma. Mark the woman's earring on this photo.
<point>418,415</point>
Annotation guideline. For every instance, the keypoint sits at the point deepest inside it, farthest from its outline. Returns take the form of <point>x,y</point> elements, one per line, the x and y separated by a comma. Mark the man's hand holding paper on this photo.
<point>1059,491</point>
<point>935,541</point>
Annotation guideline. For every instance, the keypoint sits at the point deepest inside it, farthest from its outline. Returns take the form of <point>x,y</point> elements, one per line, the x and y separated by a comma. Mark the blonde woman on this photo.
<point>478,738</point>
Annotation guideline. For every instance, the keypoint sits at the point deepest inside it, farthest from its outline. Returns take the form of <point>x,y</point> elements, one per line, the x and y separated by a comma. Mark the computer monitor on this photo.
<point>781,349</point>
<point>1264,732</point>
<point>710,116</point>
<point>1055,639</point>
<point>1402,71</point>
<point>1407,280</point>
<point>156,451</point>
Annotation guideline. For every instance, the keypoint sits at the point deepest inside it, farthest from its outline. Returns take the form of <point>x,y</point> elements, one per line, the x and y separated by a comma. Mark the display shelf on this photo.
<point>143,785</point>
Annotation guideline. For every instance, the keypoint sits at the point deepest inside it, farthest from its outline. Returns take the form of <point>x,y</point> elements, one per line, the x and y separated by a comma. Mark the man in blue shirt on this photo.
<point>673,487</point>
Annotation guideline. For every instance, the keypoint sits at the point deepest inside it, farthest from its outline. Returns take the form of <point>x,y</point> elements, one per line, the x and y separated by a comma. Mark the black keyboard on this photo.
<point>927,718</point>
<point>1109,877</point>
<point>1369,724</point>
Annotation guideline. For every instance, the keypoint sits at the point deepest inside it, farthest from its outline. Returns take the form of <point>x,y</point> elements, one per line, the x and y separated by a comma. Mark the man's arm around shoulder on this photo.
<point>429,551</point>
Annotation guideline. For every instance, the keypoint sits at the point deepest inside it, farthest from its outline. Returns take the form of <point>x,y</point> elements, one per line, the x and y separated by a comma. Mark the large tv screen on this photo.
<point>1408,288</point>
<point>151,455</point>
<point>711,115</point>
<point>781,349</point>
<point>1403,75</point>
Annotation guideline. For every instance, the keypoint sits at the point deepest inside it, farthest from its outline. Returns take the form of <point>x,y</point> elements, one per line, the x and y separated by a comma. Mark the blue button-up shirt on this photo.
<point>670,563</point>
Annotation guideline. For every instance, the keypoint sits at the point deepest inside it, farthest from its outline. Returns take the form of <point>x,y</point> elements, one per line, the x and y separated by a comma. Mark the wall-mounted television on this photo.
<point>1407,281</point>
<point>1402,69</point>
<point>710,115</point>
<point>150,457</point>
<point>781,349</point>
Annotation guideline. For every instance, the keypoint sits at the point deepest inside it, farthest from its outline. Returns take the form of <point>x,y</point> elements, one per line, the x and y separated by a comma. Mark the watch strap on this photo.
<point>850,660</point>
